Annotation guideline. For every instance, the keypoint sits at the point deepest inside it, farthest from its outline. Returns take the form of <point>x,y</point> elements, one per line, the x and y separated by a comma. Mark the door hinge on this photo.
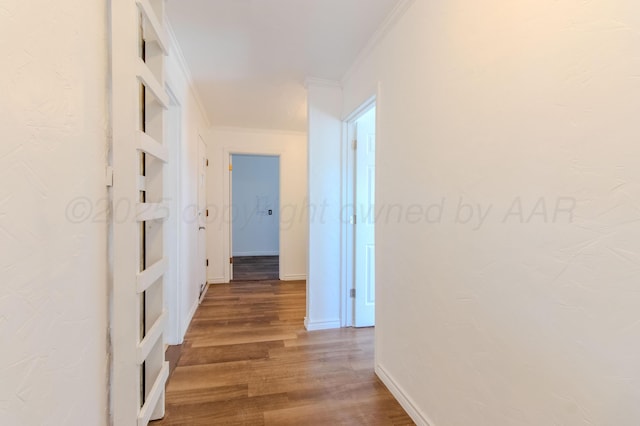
<point>207,212</point>
<point>109,176</point>
<point>207,262</point>
<point>352,293</point>
<point>231,260</point>
<point>355,144</point>
<point>207,162</point>
<point>230,167</point>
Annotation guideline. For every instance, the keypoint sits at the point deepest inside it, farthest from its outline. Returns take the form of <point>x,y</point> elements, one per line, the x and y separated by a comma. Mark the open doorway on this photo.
<point>359,244</point>
<point>255,227</point>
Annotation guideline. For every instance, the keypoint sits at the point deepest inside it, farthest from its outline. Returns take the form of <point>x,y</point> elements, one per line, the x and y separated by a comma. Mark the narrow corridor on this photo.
<point>247,360</point>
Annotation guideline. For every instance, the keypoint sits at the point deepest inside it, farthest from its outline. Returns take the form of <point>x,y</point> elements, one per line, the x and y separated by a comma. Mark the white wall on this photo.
<point>509,319</point>
<point>291,147</point>
<point>325,133</point>
<point>256,191</point>
<point>53,225</point>
<point>181,285</point>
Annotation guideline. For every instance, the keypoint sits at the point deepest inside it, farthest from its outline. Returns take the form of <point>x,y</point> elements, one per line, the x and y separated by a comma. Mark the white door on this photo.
<point>365,253</point>
<point>202,217</point>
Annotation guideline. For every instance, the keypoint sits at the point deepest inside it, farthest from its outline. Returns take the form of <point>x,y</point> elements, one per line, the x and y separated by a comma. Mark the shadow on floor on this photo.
<point>256,268</point>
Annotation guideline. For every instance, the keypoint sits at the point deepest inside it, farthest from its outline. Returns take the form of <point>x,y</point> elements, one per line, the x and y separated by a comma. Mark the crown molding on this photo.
<point>182,62</point>
<point>255,130</point>
<point>321,82</point>
<point>387,25</point>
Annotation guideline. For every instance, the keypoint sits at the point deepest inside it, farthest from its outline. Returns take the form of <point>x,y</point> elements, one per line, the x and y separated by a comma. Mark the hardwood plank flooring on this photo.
<point>256,268</point>
<point>247,360</point>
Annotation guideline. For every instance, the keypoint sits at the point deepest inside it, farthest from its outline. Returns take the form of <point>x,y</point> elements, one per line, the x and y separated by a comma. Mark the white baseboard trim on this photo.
<point>407,403</point>
<point>204,293</point>
<point>321,325</point>
<point>295,277</point>
<point>187,322</point>
<point>256,253</point>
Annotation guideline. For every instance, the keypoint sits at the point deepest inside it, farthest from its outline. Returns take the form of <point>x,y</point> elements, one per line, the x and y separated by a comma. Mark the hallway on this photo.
<point>247,360</point>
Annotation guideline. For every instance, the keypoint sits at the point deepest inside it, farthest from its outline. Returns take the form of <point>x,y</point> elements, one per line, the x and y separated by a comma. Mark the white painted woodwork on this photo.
<point>155,397</point>
<point>153,336</point>
<point>292,150</point>
<point>201,223</point>
<point>150,275</point>
<point>142,183</point>
<point>154,25</point>
<point>150,146</point>
<point>364,202</point>
<point>138,371</point>
<point>147,77</point>
<point>151,211</point>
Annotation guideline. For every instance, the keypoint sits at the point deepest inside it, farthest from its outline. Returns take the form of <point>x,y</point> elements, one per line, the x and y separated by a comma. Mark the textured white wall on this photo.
<point>325,133</point>
<point>509,319</point>
<point>292,149</point>
<point>53,231</point>
<point>256,190</point>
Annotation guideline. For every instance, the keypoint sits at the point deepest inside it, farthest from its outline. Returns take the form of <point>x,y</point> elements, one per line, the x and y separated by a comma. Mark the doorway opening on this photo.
<point>359,229</point>
<point>255,216</point>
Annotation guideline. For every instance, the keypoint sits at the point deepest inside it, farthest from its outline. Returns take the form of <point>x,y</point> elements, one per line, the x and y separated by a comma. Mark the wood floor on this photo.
<point>247,360</point>
<point>256,268</point>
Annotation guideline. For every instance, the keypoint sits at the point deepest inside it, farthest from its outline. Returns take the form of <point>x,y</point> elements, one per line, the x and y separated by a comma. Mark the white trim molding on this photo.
<point>387,25</point>
<point>405,401</point>
<point>256,130</point>
<point>187,320</point>
<point>295,277</point>
<point>201,298</point>
<point>257,253</point>
<point>228,151</point>
<point>321,325</point>
<point>179,55</point>
<point>321,82</point>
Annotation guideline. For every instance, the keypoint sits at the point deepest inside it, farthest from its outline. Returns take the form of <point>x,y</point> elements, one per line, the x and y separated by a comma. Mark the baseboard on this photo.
<point>256,253</point>
<point>295,277</point>
<point>192,312</point>
<point>321,325</point>
<point>409,406</point>
<point>204,293</point>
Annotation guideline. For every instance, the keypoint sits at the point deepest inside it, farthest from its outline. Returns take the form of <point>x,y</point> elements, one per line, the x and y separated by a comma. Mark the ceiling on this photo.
<point>249,58</point>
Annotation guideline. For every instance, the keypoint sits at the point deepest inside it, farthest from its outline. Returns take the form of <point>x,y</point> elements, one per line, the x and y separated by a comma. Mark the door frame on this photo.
<point>227,196</point>
<point>202,221</point>
<point>174,245</point>
<point>347,240</point>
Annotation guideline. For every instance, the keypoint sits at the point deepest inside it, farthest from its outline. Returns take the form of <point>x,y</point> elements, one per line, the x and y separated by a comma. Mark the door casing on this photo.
<point>228,153</point>
<point>347,243</point>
